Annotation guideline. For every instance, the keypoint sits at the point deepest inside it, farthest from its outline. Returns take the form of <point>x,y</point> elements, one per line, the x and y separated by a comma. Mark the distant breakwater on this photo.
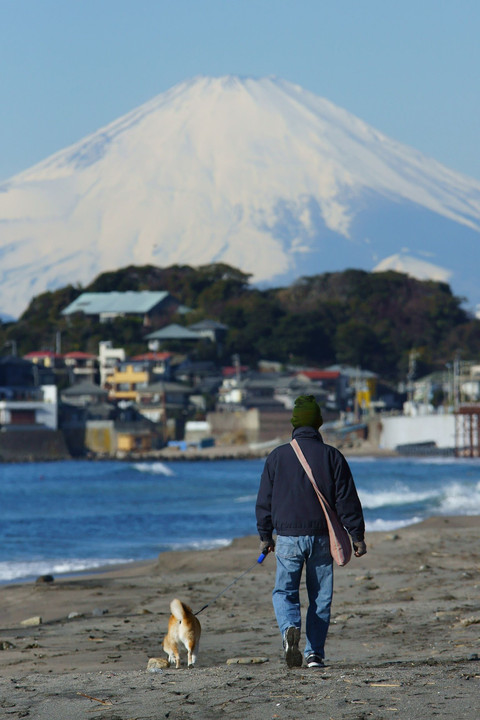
<point>46,446</point>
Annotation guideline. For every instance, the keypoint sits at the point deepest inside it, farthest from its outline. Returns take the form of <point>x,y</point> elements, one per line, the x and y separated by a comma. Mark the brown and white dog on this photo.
<point>185,628</point>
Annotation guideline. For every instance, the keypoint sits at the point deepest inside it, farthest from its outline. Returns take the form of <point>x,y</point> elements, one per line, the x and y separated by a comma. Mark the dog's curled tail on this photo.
<point>178,609</point>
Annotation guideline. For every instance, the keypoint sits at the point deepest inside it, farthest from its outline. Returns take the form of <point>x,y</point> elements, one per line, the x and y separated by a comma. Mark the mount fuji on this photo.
<point>257,173</point>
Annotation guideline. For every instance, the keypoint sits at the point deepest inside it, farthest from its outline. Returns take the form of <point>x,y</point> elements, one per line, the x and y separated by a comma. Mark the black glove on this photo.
<point>267,546</point>
<point>359,548</point>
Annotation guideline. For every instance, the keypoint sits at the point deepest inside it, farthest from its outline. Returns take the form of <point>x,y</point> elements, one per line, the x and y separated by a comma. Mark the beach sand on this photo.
<point>404,638</point>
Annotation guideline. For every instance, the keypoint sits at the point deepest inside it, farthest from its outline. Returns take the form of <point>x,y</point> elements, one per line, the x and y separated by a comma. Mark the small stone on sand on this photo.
<point>36,620</point>
<point>155,664</point>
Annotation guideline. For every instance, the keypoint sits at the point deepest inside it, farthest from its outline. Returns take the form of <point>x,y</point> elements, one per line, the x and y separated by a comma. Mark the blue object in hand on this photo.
<point>261,557</point>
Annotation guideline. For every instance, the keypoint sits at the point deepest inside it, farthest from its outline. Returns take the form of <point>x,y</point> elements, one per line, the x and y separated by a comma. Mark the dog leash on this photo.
<point>259,560</point>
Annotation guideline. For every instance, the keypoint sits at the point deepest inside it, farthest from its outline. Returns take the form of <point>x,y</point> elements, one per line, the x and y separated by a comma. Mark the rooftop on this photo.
<point>320,374</point>
<point>78,355</point>
<point>174,332</point>
<point>115,302</point>
<point>151,356</point>
<point>208,325</point>
<point>42,354</point>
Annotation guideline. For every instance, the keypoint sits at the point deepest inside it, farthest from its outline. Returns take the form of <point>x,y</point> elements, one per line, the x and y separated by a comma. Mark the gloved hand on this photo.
<point>267,546</point>
<point>359,548</point>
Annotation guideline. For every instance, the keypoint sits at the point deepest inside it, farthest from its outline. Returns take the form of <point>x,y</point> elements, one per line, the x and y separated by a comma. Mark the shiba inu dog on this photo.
<point>185,628</point>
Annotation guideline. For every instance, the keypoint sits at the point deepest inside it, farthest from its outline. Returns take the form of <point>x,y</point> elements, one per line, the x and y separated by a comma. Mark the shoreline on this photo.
<point>106,569</point>
<point>404,637</point>
<point>170,557</point>
<point>465,520</point>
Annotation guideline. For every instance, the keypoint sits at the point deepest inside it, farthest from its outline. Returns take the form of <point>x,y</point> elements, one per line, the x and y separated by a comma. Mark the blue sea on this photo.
<point>65,517</point>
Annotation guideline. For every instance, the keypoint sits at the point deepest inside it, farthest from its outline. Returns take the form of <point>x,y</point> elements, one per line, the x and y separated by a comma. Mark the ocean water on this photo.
<point>65,517</point>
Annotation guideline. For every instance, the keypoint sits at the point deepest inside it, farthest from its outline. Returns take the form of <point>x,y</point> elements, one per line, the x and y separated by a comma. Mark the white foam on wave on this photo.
<point>23,570</point>
<point>380,525</point>
<point>201,544</point>
<point>155,468</point>
<point>460,500</point>
<point>452,461</point>
<point>245,499</point>
<point>363,459</point>
<point>400,495</point>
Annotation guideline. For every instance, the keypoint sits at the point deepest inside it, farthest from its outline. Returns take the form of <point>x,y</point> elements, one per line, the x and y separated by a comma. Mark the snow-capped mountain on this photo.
<point>260,174</point>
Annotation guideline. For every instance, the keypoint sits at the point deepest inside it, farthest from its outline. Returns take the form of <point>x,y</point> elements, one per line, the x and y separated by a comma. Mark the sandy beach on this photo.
<point>404,640</point>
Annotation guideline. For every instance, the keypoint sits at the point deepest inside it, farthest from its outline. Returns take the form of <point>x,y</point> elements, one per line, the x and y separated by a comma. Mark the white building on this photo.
<point>422,428</point>
<point>109,359</point>
<point>30,408</point>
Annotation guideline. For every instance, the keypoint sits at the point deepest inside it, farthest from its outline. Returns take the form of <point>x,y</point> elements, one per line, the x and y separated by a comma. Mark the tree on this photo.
<point>356,344</point>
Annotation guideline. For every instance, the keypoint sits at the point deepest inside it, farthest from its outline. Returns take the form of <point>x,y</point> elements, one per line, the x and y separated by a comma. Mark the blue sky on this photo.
<point>411,69</point>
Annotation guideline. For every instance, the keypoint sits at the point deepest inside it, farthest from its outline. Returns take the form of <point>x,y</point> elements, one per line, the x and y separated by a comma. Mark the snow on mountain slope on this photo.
<point>260,174</point>
<point>420,269</point>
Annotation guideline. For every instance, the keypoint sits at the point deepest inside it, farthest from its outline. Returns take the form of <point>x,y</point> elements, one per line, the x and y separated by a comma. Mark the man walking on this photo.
<point>287,503</point>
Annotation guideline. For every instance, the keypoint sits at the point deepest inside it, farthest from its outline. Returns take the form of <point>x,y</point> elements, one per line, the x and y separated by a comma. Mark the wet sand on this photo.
<point>404,640</point>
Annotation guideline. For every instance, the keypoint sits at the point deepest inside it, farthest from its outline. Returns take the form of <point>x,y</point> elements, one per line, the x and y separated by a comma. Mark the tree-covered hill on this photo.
<point>364,319</point>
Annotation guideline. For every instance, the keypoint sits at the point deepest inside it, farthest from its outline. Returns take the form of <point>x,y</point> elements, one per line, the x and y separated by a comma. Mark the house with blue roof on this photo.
<point>110,305</point>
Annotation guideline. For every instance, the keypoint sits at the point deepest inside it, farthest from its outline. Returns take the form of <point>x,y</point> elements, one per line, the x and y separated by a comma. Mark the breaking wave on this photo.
<point>457,500</point>
<point>397,496</point>
<point>29,569</point>
<point>155,468</point>
<point>380,525</point>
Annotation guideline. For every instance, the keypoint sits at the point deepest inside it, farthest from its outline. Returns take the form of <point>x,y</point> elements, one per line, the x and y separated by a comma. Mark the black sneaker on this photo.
<point>293,656</point>
<point>315,661</point>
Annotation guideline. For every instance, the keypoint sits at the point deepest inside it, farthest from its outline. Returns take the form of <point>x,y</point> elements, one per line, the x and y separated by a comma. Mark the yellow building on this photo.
<point>125,384</point>
<point>134,441</point>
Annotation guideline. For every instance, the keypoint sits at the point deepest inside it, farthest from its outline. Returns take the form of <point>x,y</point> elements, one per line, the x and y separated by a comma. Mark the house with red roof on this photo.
<point>46,358</point>
<point>331,383</point>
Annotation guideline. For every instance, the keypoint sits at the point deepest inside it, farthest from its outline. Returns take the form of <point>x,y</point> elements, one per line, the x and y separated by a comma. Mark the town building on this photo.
<point>24,403</point>
<point>171,333</point>
<point>82,366</point>
<point>109,359</point>
<point>46,359</point>
<point>150,306</point>
<point>28,413</point>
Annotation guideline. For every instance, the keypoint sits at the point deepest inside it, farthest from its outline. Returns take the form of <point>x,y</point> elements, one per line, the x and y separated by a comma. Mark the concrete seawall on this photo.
<point>32,446</point>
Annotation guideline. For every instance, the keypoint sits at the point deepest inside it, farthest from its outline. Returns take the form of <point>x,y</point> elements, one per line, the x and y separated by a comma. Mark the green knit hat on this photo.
<point>306,412</point>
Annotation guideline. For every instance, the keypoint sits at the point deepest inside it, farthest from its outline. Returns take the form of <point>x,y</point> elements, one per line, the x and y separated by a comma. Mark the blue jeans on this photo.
<point>292,553</point>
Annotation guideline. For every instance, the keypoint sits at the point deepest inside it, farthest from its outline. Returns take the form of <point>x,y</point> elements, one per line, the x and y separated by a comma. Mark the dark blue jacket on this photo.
<point>286,500</point>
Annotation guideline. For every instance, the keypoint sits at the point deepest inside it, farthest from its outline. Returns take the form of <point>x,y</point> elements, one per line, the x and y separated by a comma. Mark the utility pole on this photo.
<point>236,360</point>
<point>164,414</point>
<point>456,378</point>
<point>356,409</point>
<point>449,384</point>
<point>412,366</point>
<point>13,345</point>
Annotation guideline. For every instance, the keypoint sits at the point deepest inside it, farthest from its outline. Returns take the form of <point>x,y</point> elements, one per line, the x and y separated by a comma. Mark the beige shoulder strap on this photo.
<point>308,470</point>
